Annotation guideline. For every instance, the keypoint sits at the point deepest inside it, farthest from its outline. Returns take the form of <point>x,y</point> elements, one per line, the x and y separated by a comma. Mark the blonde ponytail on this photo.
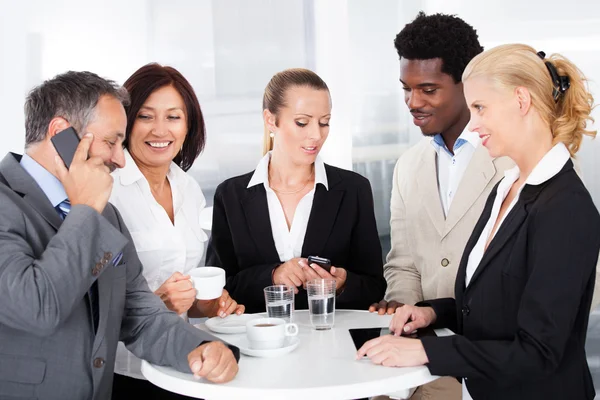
<point>573,108</point>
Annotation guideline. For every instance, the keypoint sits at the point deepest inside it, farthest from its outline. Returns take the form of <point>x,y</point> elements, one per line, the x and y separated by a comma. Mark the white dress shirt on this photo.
<point>550,165</point>
<point>288,242</point>
<point>452,167</point>
<point>163,247</point>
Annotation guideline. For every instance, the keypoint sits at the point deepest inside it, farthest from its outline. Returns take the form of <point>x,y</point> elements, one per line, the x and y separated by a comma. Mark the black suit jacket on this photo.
<point>341,227</point>
<point>522,320</point>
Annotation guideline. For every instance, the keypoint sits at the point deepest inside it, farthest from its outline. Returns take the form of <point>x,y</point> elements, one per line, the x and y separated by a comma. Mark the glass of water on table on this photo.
<point>279,300</point>
<point>321,303</point>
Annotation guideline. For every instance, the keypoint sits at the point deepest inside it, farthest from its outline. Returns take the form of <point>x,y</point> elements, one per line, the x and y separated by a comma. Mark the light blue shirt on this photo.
<point>451,167</point>
<point>49,184</point>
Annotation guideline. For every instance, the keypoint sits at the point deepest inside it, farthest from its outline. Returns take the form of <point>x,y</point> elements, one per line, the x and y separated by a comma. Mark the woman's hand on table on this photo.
<point>394,351</point>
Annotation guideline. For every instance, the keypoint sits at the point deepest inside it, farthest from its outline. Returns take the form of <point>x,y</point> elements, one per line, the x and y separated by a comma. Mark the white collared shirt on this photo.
<point>288,242</point>
<point>163,247</point>
<point>550,165</point>
<point>452,167</point>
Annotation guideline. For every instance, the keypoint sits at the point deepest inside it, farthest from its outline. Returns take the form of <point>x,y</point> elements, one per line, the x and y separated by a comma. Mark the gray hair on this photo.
<point>72,96</point>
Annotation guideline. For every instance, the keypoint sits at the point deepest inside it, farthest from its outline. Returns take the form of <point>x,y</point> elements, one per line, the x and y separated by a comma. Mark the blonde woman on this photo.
<point>526,279</point>
<point>267,222</point>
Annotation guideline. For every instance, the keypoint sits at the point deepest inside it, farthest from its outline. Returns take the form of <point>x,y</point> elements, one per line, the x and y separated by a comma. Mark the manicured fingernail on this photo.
<point>406,328</point>
<point>222,314</point>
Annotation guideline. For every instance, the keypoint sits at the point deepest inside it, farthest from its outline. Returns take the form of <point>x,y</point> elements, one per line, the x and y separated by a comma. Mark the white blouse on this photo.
<point>550,165</point>
<point>288,242</point>
<point>163,247</point>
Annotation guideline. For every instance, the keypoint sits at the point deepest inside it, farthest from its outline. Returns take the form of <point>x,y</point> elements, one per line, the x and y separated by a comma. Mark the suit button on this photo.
<point>95,271</point>
<point>107,256</point>
<point>466,310</point>
<point>445,262</point>
<point>98,362</point>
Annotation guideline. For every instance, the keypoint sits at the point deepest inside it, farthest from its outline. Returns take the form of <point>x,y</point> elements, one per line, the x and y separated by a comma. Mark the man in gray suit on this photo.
<point>71,284</point>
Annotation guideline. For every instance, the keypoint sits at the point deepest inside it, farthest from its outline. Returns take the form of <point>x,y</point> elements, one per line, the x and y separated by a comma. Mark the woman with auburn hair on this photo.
<point>525,283</point>
<point>161,205</point>
<point>267,222</point>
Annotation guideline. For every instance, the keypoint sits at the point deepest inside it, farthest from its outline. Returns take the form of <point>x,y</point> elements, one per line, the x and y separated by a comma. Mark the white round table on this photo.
<point>322,367</point>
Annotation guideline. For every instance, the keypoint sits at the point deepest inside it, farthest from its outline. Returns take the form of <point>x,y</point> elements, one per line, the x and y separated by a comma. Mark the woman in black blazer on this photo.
<point>525,283</point>
<point>267,222</point>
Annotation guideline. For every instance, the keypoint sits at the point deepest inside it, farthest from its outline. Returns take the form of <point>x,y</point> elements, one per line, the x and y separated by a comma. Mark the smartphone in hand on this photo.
<point>65,142</point>
<point>324,263</point>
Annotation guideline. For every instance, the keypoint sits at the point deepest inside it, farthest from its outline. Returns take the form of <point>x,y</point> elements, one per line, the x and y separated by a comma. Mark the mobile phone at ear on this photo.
<point>65,142</point>
<point>324,263</point>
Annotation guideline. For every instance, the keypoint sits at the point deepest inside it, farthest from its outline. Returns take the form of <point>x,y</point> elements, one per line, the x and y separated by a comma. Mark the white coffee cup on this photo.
<point>208,282</point>
<point>269,333</point>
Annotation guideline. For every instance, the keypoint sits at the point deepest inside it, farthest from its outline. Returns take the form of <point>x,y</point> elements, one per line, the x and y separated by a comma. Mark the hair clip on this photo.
<point>560,82</point>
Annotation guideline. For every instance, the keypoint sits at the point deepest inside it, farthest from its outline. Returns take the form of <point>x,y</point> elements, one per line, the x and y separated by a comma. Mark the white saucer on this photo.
<point>230,324</point>
<point>288,346</point>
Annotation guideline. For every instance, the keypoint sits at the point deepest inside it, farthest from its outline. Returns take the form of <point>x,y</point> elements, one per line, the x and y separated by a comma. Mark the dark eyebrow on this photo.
<point>422,85</point>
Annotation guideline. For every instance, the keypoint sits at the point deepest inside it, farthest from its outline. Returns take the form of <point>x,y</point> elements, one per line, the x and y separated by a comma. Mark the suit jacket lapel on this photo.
<point>256,210</point>
<point>481,223</point>
<point>511,224</point>
<point>322,215</point>
<point>21,182</point>
<point>427,182</point>
<point>478,174</point>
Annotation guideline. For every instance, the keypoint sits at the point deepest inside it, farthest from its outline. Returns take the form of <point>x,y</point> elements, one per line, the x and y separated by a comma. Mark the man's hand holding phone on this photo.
<point>88,180</point>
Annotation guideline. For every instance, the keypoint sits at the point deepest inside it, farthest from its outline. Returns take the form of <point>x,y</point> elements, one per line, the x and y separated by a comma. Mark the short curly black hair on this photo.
<point>439,36</point>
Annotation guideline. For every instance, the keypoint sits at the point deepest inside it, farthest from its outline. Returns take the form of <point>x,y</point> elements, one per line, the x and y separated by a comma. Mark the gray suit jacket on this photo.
<point>48,349</point>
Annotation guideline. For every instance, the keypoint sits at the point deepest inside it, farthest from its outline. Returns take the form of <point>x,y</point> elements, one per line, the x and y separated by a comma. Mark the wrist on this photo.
<point>432,315</point>
<point>422,353</point>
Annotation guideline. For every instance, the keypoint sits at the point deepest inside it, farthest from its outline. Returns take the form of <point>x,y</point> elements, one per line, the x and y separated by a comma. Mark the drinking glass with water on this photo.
<point>321,303</point>
<point>279,300</point>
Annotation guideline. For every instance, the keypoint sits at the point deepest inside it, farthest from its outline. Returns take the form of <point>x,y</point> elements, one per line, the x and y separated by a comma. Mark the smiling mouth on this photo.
<point>310,148</point>
<point>159,145</point>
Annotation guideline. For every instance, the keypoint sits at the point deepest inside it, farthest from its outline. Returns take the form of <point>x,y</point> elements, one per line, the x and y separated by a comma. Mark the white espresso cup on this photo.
<point>269,333</point>
<point>208,282</point>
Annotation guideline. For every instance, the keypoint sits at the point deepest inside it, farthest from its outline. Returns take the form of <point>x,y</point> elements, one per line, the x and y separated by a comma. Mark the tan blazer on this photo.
<point>426,247</point>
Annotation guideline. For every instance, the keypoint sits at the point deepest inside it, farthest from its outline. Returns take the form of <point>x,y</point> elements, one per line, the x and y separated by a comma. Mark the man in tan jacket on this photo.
<point>441,184</point>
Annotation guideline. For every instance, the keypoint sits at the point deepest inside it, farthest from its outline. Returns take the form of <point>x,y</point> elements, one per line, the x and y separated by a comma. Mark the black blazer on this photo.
<point>522,321</point>
<point>341,227</point>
